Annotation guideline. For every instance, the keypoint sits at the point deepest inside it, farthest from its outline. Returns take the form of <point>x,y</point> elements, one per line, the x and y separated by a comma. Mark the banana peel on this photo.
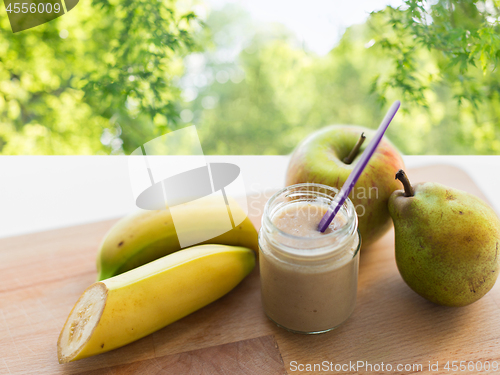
<point>145,236</point>
<point>127,307</point>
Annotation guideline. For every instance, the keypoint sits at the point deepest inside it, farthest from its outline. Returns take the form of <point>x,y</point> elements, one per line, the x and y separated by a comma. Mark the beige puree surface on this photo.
<point>308,295</point>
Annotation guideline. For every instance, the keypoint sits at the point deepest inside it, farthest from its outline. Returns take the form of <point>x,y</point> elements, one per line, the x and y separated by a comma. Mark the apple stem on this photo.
<point>355,150</point>
<point>401,176</point>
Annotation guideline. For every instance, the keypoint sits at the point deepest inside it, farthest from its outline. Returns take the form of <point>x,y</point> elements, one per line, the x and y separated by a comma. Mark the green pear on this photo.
<point>447,242</point>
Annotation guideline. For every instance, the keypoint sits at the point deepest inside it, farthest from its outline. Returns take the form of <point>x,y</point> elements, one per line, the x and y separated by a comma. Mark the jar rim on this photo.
<point>346,231</point>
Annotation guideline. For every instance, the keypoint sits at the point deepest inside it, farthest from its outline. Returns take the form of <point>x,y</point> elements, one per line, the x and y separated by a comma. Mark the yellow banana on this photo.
<point>148,235</point>
<point>127,307</point>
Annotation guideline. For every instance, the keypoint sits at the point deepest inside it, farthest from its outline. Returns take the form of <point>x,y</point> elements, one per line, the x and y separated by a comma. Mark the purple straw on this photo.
<point>360,166</point>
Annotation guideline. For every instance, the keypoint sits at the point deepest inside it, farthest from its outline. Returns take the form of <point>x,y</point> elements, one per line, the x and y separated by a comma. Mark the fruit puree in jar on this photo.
<point>309,280</point>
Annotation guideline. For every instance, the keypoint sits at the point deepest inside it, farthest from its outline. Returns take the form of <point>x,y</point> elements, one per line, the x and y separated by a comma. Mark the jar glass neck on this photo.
<point>323,246</point>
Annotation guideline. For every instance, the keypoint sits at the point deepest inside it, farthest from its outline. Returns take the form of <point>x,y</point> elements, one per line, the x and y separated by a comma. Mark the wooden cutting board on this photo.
<point>43,274</point>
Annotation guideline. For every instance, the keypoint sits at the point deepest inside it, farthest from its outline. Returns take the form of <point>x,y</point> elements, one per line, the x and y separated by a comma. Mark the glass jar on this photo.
<point>308,284</point>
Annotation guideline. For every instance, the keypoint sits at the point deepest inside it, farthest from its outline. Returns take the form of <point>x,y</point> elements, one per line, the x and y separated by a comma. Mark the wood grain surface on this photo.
<point>247,357</point>
<point>43,274</point>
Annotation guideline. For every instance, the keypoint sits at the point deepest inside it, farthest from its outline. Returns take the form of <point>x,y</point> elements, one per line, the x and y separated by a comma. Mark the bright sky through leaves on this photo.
<point>319,24</point>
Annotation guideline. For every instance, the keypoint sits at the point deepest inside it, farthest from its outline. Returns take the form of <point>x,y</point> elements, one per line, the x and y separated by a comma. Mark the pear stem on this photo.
<point>355,150</point>
<point>401,176</point>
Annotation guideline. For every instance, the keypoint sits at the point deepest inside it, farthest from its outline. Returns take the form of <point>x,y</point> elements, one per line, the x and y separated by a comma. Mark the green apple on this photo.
<point>321,158</point>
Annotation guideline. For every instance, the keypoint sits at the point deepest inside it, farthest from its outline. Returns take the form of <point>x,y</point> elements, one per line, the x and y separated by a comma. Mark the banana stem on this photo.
<point>401,176</point>
<point>354,152</point>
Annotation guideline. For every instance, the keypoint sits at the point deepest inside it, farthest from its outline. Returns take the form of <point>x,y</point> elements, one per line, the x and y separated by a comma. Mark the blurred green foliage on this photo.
<point>461,35</point>
<point>97,80</point>
<point>449,106</point>
<point>131,70</point>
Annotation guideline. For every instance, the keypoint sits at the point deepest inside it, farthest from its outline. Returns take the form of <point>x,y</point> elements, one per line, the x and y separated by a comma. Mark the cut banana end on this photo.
<point>81,322</point>
<point>129,306</point>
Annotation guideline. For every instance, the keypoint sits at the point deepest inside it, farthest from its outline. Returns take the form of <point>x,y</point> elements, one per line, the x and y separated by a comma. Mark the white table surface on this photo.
<point>39,193</point>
